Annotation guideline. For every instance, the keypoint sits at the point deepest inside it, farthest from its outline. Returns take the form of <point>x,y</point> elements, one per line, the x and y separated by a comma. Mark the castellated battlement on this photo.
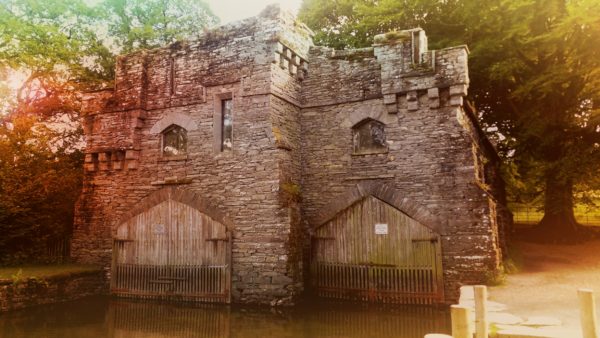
<point>245,152</point>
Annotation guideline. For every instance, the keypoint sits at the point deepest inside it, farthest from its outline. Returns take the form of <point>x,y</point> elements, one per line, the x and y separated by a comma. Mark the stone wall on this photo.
<point>432,150</point>
<point>34,291</point>
<point>182,84</point>
<point>294,106</point>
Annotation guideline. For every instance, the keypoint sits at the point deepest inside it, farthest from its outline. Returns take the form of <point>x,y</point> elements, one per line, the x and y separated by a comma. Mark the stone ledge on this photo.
<point>55,289</point>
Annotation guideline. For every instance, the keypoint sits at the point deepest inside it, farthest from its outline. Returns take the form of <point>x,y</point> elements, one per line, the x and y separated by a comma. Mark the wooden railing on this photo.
<point>462,320</point>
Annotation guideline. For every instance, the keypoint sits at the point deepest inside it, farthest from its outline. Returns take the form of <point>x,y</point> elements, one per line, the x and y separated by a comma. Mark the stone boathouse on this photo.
<point>250,166</point>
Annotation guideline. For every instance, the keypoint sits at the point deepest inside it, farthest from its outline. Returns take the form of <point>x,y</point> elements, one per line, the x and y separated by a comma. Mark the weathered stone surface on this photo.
<point>294,106</point>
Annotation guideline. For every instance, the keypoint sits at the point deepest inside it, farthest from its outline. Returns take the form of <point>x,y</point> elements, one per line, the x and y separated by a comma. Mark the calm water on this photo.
<point>108,317</point>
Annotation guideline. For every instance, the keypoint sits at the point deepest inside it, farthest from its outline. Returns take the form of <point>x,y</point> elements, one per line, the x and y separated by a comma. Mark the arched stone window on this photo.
<point>368,136</point>
<point>174,141</point>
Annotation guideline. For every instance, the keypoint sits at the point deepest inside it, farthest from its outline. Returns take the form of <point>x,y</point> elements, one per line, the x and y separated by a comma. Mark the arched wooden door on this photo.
<point>374,252</point>
<point>172,251</point>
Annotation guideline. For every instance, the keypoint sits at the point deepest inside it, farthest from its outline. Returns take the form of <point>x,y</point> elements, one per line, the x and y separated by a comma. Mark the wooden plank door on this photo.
<point>172,251</point>
<point>373,252</point>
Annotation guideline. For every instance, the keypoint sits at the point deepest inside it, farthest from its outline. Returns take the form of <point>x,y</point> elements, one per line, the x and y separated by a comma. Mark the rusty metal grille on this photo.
<point>386,284</point>
<point>172,251</point>
<point>195,283</point>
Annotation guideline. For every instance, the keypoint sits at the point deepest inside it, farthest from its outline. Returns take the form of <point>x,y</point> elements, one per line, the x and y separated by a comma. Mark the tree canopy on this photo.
<point>58,48</point>
<point>40,180</point>
<point>535,80</point>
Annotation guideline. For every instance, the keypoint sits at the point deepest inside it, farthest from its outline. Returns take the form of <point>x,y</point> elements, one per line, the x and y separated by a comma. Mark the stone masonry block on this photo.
<point>456,100</point>
<point>433,93</point>
<point>413,105</point>
<point>279,48</point>
<point>131,154</point>
<point>103,157</point>
<point>411,96</point>
<point>389,98</point>
<point>458,90</point>
<point>304,65</point>
<point>132,164</point>
<point>282,61</point>
<point>138,123</point>
<point>391,108</point>
<point>296,60</point>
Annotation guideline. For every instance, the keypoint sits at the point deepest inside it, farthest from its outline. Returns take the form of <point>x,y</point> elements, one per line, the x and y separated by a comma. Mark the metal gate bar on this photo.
<point>183,282</point>
<point>386,284</point>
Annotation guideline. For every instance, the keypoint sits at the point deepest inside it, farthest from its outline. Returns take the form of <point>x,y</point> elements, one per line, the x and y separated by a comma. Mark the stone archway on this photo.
<point>366,247</point>
<point>173,245</point>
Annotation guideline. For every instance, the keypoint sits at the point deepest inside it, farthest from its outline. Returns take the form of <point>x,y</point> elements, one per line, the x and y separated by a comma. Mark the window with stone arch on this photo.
<point>368,137</point>
<point>174,141</point>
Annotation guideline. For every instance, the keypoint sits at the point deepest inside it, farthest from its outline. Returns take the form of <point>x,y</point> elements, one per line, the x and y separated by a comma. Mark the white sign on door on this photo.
<point>381,229</point>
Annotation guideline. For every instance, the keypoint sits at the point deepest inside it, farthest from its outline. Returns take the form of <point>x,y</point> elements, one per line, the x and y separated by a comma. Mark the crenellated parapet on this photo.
<point>112,137</point>
<point>398,68</point>
<point>409,70</point>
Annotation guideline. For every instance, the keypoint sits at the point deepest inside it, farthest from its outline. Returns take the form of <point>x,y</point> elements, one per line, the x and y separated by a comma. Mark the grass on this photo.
<point>44,271</point>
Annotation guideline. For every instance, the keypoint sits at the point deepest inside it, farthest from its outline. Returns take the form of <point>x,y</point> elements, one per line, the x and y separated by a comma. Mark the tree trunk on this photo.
<point>559,224</point>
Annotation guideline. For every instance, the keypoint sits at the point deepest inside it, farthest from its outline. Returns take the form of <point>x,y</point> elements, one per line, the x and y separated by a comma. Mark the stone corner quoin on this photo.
<point>293,163</point>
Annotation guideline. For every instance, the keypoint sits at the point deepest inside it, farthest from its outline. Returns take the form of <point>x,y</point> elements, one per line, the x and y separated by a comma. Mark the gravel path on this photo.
<point>548,281</point>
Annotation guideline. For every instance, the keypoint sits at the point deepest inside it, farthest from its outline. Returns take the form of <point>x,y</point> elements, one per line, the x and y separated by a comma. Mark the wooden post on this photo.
<point>460,322</point>
<point>481,323</point>
<point>587,310</point>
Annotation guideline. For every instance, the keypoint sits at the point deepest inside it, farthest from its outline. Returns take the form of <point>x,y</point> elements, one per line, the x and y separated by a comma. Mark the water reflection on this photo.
<point>104,317</point>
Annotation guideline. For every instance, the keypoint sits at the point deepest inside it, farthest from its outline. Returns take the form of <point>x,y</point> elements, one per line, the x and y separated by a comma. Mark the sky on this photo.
<point>233,10</point>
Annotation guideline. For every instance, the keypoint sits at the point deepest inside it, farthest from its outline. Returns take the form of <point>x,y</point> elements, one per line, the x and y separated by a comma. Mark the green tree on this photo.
<point>63,47</point>
<point>70,45</point>
<point>40,180</point>
<point>138,24</point>
<point>535,79</point>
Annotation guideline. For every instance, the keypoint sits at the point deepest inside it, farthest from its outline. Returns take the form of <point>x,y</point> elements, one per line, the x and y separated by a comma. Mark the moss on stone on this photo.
<point>392,37</point>
<point>44,271</point>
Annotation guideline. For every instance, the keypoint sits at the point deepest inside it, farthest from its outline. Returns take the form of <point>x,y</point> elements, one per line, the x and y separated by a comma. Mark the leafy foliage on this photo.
<point>60,48</point>
<point>138,24</point>
<point>40,180</point>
